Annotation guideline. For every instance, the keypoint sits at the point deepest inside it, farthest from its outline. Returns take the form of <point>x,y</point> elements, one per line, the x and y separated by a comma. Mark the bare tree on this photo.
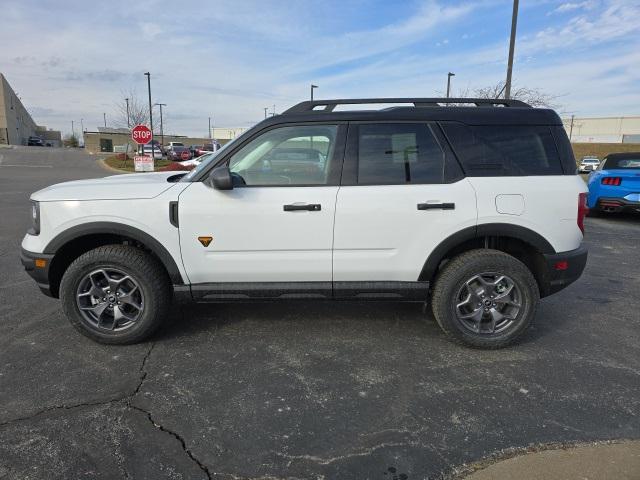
<point>532,96</point>
<point>70,140</point>
<point>138,110</point>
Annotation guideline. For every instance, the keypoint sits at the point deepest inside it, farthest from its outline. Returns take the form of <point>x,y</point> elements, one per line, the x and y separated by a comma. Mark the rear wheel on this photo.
<point>116,294</point>
<point>485,298</point>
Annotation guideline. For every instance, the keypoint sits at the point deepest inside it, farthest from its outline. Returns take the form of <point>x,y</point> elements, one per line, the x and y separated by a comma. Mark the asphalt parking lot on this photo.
<point>305,389</point>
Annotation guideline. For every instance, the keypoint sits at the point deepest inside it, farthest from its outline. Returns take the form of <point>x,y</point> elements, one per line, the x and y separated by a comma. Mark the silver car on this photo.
<point>588,164</point>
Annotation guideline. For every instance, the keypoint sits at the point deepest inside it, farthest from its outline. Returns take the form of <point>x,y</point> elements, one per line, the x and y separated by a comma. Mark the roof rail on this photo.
<point>330,105</point>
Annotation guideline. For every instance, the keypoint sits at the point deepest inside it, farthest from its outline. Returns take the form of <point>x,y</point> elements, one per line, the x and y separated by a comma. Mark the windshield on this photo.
<point>210,158</point>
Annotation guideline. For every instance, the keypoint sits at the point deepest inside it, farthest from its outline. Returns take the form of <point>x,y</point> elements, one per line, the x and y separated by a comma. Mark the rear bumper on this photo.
<point>39,274</point>
<point>617,204</point>
<point>562,269</point>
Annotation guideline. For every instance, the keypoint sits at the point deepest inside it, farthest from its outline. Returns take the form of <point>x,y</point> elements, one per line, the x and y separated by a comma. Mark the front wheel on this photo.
<point>485,298</point>
<point>116,294</point>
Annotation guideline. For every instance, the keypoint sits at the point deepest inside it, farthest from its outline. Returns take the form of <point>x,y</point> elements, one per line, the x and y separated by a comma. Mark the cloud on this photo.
<point>571,6</point>
<point>230,61</point>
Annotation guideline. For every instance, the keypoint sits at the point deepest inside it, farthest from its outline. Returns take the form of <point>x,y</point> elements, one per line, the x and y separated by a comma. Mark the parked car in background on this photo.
<point>615,185</point>
<point>174,144</point>
<point>209,147</point>
<point>589,164</point>
<point>155,150</point>
<point>35,142</point>
<point>197,160</point>
<point>176,153</point>
<point>195,150</point>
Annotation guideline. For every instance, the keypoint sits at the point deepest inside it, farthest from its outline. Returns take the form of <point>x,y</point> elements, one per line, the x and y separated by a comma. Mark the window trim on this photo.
<point>333,178</point>
<point>350,164</point>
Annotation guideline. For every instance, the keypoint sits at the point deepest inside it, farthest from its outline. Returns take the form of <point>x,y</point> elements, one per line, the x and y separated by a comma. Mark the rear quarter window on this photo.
<point>504,150</point>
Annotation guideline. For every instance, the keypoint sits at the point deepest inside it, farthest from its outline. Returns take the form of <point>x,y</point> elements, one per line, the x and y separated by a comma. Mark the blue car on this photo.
<point>615,185</point>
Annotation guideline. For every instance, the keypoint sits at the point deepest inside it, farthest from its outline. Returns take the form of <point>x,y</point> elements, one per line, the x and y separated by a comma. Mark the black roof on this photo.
<point>472,111</point>
<point>623,156</point>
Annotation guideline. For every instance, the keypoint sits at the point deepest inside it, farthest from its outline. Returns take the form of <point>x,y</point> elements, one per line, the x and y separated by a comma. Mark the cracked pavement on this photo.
<point>304,389</point>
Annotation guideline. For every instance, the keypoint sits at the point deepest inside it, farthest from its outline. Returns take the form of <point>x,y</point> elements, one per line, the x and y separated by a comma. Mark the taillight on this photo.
<point>582,210</point>
<point>615,181</point>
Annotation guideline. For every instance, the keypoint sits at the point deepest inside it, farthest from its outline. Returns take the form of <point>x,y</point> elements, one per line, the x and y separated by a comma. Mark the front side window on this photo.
<point>297,155</point>
<point>399,153</point>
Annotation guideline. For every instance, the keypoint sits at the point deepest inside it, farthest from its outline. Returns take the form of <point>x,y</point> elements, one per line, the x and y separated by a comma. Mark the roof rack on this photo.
<point>330,105</point>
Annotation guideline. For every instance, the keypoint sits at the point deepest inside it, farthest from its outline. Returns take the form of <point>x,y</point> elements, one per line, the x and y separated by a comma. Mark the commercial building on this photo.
<point>603,129</point>
<point>224,133</point>
<point>16,124</point>
<point>107,139</point>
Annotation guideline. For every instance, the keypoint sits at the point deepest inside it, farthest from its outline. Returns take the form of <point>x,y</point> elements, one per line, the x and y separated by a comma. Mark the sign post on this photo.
<point>141,134</point>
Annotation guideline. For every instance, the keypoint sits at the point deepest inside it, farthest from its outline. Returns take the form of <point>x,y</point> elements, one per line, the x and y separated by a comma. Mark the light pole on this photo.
<point>104,116</point>
<point>265,111</point>
<point>209,127</point>
<point>73,132</point>
<point>512,45</point>
<point>82,130</point>
<point>161,127</point>
<point>449,75</point>
<point>128,121</point>
<point>312,87</point>
<point>148,75</point>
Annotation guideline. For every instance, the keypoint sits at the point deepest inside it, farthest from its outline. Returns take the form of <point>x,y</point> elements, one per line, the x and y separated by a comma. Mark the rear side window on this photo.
<point>399,153</point>
<point>567,159</point>
<point>504,150</point>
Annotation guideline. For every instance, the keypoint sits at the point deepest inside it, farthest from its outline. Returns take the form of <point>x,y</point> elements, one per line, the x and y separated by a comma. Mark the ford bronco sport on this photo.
<point>473,207</point>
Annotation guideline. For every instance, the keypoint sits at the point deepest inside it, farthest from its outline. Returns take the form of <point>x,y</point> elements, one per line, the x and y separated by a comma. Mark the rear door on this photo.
<point>402,193</point>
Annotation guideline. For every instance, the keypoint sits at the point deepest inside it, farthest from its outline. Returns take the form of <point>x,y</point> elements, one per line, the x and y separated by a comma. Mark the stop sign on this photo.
<point>185,155</point>
<point>141,134</point>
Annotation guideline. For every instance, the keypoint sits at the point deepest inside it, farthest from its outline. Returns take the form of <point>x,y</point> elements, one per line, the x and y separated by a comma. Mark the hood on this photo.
<point>115,187</point>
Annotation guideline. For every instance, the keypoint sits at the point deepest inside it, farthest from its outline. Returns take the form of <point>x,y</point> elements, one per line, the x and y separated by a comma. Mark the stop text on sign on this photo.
<point>141,134</point>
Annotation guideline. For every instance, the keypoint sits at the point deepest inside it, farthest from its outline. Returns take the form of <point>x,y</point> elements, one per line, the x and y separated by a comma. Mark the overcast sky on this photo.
<point>231,58</point>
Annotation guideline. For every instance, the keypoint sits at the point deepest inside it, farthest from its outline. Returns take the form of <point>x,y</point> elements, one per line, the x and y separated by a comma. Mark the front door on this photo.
<point>276,225</point>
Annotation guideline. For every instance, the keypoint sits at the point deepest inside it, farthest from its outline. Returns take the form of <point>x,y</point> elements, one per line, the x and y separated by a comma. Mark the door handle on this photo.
<point>433,206</point>
<point>311,207</point>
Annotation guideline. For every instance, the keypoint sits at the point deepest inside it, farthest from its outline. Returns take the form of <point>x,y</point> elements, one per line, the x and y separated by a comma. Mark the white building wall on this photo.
<point>601,130</point>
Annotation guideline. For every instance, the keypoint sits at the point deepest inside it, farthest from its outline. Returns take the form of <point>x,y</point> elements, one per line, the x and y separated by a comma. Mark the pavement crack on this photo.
<point>162,428</point>
<point>60,407</point>
<point>330,460</point>
<point>127,397</point>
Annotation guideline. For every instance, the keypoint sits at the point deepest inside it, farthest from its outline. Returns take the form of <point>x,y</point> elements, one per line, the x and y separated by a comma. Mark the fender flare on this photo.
<point>485,229</point>
<point>113,228</point>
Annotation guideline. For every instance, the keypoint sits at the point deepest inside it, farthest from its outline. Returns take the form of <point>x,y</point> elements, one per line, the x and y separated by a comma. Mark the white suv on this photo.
<point>476,209</point>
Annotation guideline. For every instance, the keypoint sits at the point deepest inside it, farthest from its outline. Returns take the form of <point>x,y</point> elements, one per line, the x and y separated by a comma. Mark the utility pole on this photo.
<point>449,75</point>
<point>312,87</point>
<point>273,114</point>
<point>148,75</point>
<point>128,121</point>
<point>209,127</point>
<point>265,111</point>
<point>73,132</point>
<point>82,130</point>
<point>512,45</point>
<point>571,127</point>
<point>104,116</point>
<point>161,127</point>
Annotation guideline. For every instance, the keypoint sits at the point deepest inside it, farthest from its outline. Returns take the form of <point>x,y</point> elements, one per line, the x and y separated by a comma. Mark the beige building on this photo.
<point>16,124</point>
<point>224,133</point>
<point>116,140</point>
<point>603,129</point>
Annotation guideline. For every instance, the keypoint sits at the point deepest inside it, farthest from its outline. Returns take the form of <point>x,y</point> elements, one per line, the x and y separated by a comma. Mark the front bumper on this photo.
<point>39,273</point>
<point>562,269</point>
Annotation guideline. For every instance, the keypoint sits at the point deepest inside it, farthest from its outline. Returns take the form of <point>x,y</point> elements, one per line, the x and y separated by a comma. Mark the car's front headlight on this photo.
<point>35,218</point>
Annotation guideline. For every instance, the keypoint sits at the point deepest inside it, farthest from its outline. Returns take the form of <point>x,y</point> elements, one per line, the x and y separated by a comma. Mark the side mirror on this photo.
<point>220,178</point>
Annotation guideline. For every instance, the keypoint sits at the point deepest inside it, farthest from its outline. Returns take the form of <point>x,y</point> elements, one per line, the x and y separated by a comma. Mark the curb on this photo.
<point>104,165</point>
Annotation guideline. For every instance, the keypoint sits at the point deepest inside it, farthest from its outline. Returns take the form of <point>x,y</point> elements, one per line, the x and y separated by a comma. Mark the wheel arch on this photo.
<point>70,244</point>
<point>521,242</point>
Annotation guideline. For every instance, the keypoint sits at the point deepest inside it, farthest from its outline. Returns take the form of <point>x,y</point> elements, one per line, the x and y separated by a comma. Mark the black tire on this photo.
<point>145,272</point>
<point>451,284</point>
